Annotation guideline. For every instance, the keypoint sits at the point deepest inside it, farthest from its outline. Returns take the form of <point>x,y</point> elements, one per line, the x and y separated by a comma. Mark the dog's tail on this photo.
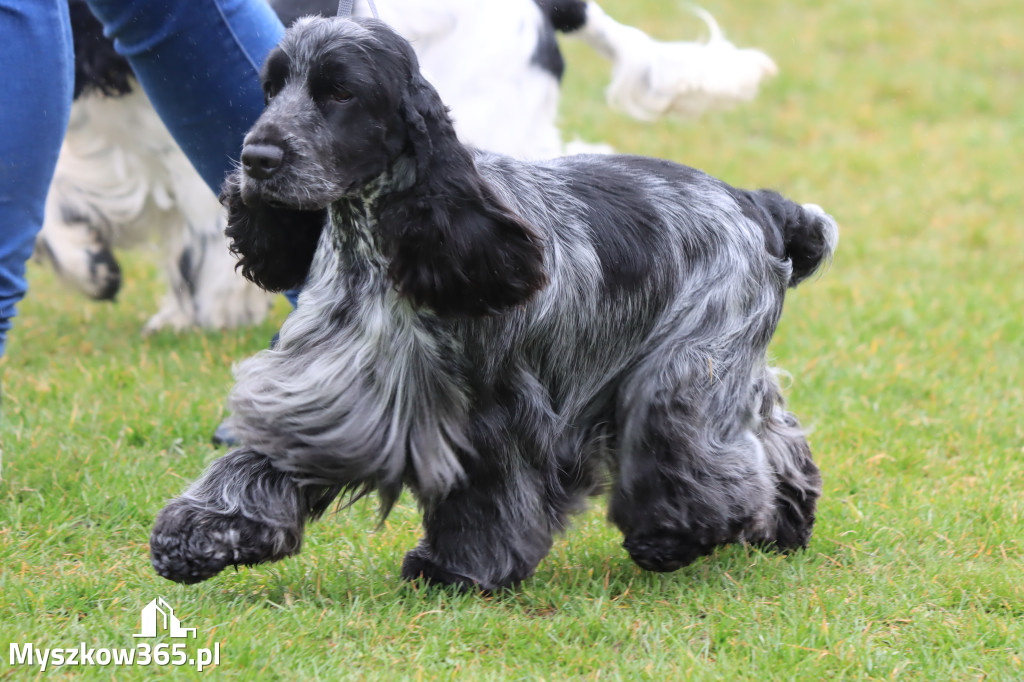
<point>653,78</point>
<point>805,235</point>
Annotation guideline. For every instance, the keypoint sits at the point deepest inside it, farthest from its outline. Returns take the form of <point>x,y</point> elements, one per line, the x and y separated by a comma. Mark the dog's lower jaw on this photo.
<point>253,195</point>
<point>189,545</point>
<point>256,193</point>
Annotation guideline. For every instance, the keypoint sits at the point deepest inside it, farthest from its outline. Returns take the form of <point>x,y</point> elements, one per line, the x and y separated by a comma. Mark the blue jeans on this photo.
<point>36,56</point>
<point>197,60</point>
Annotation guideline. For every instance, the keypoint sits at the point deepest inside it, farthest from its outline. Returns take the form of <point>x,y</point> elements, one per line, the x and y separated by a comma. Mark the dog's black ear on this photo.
<point>464,257</point>
<point>453,245</point>
<point>274,245</point>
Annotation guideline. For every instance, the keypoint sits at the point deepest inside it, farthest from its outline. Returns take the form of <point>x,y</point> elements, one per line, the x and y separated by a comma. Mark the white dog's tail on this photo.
<point>651,78</point>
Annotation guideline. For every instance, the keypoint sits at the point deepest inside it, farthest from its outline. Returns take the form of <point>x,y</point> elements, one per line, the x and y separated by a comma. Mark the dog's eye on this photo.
<point>340,94</point>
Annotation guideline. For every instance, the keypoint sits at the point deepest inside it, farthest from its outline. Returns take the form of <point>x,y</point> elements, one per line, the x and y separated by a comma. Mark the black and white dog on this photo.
<point>121,181</point>
<point>503,338</point>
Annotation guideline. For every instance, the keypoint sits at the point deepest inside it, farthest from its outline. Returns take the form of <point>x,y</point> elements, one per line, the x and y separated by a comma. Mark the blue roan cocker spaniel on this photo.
<point>502,338</point>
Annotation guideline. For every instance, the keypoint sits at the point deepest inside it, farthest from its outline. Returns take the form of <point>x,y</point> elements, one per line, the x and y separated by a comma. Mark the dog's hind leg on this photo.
<point>691,472</point>
<point>242,511</point>
<point>797,479</point>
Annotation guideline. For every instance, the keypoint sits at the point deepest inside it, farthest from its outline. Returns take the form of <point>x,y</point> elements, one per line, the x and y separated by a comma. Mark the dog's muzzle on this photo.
<point>260,161</point>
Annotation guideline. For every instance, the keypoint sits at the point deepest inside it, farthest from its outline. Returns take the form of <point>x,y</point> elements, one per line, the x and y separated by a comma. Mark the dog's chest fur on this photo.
<point>359,380</point>
<point>382,392</point>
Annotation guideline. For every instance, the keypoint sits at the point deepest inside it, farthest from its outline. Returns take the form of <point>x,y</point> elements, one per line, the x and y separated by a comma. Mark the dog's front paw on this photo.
<point>419,567</point>
<point>189,545</point>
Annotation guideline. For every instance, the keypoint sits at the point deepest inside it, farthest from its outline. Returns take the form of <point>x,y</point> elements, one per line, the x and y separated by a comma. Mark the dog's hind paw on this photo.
<point>792,526</point>
<point>189,545</point>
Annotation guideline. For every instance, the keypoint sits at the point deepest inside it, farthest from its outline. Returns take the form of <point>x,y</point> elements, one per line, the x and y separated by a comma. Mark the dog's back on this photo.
<point>643,254</point>
<point>637,208</point>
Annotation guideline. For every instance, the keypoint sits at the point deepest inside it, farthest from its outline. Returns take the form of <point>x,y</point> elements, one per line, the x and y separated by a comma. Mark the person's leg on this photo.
<point>199,62</point>
<point>37,58</point>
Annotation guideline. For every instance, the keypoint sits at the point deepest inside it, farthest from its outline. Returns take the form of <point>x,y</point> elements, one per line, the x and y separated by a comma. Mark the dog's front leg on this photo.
<point>489,534</point>
<point>242,511</point>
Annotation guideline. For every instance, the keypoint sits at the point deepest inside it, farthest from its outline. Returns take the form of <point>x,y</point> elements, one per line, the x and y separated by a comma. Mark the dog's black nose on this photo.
<point>260,161</point>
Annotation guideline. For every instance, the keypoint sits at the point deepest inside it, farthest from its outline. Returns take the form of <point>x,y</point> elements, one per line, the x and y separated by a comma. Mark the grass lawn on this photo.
<point>903,119</point>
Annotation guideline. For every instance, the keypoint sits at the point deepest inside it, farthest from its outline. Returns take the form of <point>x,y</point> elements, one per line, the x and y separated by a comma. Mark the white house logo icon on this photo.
<point>158,610</point>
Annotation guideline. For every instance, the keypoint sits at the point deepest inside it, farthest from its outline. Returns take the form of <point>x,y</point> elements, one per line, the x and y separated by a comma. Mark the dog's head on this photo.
<point>345,101</point>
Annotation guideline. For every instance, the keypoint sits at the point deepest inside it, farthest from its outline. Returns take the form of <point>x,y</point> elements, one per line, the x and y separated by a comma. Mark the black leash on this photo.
<point>345,8</point>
